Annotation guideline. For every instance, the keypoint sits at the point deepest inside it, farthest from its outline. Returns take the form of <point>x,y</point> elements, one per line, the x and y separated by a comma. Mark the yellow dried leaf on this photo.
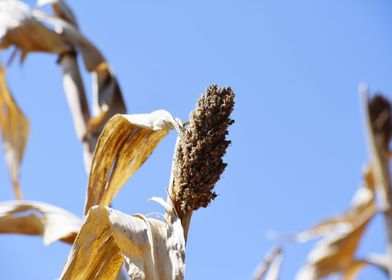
<point>125,143</point>
<point>354,269</point>
<point>15,130</point>
<point>37,218</point>
<point>151,249</point>
<point>335,252</point>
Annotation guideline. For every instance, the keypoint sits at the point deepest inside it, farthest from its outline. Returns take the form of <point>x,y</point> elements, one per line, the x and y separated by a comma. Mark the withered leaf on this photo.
<point>15,130</point>
<point>335,252</point>
<point>270,267</point>
<point>37,218</point>
<point>151,249</point>
<point>125,143</point>
<point>20,28</point>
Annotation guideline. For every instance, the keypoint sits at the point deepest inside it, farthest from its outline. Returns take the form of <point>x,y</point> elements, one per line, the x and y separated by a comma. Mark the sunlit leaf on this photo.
<point>151,249</point>
<point>15,130</point>
<point>20,28</point>
<point>37,218</point>
<point>125,143</point>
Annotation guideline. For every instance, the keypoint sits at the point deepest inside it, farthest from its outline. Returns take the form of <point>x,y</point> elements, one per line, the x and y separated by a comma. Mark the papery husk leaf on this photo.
<point>335,252</point>
<point>15,130</point>
<point>151,249</point>
<point>20,28</point>
<point>37,218</point>
<point>125,143</point>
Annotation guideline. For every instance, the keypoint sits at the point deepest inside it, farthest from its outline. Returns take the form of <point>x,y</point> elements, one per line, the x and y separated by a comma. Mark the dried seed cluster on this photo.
<point>380,117</point>
<point>198,162</point>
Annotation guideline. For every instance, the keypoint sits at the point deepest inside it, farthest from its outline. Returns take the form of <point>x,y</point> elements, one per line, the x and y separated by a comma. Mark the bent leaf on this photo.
<point>61,10</point>
<point>20,28</point>
<point>125,143</point>
<point>151,249</point>
<point>107,96</point>
<point>37,218</point>
<point>15,130</point>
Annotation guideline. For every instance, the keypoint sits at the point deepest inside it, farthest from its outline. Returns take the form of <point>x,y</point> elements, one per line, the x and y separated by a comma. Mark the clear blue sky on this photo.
<point>297,144</point>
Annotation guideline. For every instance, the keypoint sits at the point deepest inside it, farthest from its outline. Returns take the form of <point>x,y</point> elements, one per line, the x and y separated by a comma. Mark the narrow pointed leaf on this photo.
<point>15,130</point>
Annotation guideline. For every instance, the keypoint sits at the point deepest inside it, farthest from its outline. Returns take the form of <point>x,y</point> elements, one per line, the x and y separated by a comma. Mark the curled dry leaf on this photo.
<point>125,143</point>
<point>15,130</point>
<point>37,218</point>
<point>151,249</point>
<point>20,28</point>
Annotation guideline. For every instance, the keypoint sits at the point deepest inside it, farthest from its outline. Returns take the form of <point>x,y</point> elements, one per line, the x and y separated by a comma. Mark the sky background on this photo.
<point>298,142</point>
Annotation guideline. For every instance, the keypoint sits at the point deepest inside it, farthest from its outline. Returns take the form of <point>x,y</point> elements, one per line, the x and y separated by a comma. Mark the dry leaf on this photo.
<point>20,28</point>
<point>341,235</point>
<point>61,10</point>
<point>363,200</point>
<point>270,267</point>
<point>37,218</point>
<point>107,96</point>
<point>15,130</point>
<point>335,252</point>
<point>125,143</point>
<point>36,31</point>
<point>151,249</point>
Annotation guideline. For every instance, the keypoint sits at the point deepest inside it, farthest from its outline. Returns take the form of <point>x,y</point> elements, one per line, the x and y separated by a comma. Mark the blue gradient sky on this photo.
<point>297,145</point>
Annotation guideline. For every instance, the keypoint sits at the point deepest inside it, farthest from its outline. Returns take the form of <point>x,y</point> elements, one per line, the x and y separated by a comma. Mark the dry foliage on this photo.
<point>125,143</point>
<point>335,253</point>
<point>115,146</point>
<point>269,269</point>
<point>37,218</point>
<point>15,130</point>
